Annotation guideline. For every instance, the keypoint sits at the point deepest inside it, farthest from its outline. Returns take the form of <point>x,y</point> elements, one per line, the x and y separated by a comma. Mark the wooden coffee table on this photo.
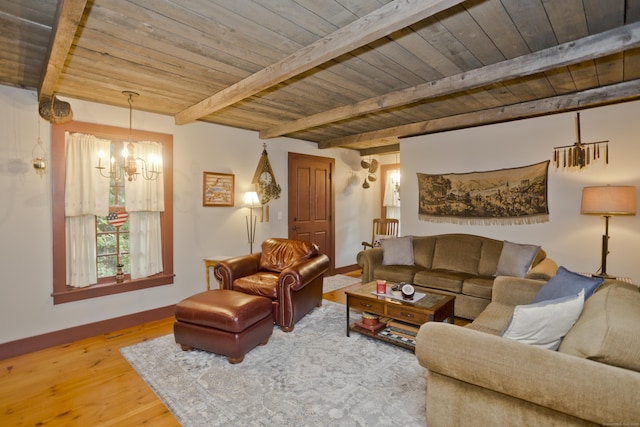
<point>432,307</point>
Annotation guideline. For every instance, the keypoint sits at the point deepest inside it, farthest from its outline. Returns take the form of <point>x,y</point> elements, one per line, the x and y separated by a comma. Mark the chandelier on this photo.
<point>581,154</point>
<point>129,165</point>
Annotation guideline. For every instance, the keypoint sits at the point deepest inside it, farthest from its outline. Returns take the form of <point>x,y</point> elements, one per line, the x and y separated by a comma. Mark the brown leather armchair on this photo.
<point>289,272</point>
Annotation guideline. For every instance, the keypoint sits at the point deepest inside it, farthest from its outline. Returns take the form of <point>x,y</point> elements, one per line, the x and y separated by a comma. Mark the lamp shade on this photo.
<point>250,200</point>
<point>609,200</point>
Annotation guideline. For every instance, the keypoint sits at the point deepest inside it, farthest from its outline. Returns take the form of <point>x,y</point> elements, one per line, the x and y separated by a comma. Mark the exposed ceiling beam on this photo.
<point>64,30</point>
<point>591,47</point>
<point>621,92</point>
<point>383,21</point>
<point>383,149</point>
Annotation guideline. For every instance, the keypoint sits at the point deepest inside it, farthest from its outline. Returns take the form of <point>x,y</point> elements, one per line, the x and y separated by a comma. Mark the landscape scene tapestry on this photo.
<point>500,197</point>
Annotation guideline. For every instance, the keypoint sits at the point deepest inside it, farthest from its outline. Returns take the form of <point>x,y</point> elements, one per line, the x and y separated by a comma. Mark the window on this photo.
<point>112,233</point>
<point>106,285</point>
<point>390,191</point>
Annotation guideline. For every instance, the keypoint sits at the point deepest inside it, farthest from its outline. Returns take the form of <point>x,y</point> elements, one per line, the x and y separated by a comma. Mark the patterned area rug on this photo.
<point>337,281</point>
<point>313,376</point>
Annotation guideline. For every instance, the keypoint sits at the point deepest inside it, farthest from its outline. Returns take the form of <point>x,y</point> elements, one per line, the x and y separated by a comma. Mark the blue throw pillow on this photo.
<point>567,283</point>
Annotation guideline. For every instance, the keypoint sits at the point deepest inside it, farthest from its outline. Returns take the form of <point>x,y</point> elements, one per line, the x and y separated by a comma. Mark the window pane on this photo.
<point>124,259</point>
<point>104,226</point>
<point>106,244</point>
<point>107,266</point>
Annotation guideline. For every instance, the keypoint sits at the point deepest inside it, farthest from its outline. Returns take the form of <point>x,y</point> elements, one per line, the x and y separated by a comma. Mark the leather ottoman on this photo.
<point>224,322</point>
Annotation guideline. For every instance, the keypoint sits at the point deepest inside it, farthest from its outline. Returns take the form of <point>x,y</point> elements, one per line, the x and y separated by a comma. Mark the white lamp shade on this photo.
<point>250,200</point>
<point>609,200</point>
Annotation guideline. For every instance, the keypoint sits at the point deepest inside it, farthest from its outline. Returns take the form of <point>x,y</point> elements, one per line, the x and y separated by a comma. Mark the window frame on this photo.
<point>63,293</point>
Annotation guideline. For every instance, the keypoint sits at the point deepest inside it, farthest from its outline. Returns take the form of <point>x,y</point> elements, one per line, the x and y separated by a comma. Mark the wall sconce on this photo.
<point>39,156</point>
<point>251,201</point>
<point>607,201</point>
<point>371,168</point>
<point>128,164</point>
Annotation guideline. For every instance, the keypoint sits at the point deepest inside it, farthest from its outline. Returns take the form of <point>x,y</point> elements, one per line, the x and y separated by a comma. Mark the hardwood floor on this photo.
<point>85,383</point>
<point>88,382</point>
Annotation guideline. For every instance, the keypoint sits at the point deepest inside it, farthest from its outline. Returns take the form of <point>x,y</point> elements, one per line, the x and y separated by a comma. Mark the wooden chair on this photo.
<point>382,228</point>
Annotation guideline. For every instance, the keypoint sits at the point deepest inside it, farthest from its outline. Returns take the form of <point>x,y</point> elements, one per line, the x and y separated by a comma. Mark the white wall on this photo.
<point>573,240</point>
<point>199,232</point>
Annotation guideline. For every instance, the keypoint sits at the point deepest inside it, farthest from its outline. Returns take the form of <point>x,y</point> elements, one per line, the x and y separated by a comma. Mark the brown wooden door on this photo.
<point>311,202</point>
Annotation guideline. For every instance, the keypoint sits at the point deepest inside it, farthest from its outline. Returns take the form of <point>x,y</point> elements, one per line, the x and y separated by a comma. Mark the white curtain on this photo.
<point>391,198</point>
<point>86,196</point>
<point>144,200</point>
<point>145,244</point>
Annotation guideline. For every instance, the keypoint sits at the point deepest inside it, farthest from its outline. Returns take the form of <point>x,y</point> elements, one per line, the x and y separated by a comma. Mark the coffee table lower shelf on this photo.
<point>386,334</point>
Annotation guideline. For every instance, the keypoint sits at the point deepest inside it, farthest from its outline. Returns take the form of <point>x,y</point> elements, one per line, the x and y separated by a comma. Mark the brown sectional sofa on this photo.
<point>463,265</point>
<point>593,378</point>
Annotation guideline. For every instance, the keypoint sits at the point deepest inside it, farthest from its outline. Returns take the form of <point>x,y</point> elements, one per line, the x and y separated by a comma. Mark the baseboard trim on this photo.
<point>347,269</point>
<point>64,336</point>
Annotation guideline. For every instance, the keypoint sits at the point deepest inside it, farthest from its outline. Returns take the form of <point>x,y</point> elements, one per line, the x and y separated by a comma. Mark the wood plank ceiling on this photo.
<point>351,73</point>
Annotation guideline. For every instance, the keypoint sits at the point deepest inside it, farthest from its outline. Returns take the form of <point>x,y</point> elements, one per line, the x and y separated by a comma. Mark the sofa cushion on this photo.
<point>280,254</point>
<point>263,284</point>
<point>608,329</point>
<point>457,253</point>
<point>396,273</point>
<point>423,247</point>
<point>397,251</point>
<point>567,283</point>
<point>544,324</point>
<point>446,280</point>
<point>478,287</point>
<point>489,256</point>
<point>516,259</point>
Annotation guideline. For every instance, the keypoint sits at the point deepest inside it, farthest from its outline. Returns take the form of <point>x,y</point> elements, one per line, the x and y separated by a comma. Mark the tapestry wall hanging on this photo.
<point>501,197</point>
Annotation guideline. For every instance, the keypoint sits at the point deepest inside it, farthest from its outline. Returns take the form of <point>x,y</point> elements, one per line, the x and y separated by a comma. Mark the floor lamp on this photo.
<point>251,201</point>
<point>607,201</point>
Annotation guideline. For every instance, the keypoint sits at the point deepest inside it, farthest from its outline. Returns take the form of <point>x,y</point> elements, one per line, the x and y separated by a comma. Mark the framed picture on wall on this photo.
<point>217,189</point>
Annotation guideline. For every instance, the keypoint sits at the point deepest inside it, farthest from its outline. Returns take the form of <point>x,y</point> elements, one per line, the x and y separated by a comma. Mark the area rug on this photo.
<point>313,376</point>
<point>337,281</point>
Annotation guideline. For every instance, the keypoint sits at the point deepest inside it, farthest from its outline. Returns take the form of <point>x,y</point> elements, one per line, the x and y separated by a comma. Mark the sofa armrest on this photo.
<point>514,291</point>
<point>579,387</point>
<point>544,270</point>
<point>230,269</point>
<point>368,260</point>
<point>299,275</point>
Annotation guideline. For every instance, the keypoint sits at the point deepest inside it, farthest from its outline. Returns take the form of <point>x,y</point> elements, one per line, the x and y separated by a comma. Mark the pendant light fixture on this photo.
<point>128,165</point>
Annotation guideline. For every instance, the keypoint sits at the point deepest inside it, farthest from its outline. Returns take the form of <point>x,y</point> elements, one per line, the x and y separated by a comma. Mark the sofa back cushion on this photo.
<point>607,330</point>
<point>280,254</point>
<point>423,247</point>
<point>458,253</point>
<point>491,250</point>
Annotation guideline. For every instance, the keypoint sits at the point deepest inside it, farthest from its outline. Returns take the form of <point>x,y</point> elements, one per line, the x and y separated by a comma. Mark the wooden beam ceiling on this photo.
<point>67,21</point>
<point>587,48</point>
<point>620,92</point>
<point>383,21</point>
